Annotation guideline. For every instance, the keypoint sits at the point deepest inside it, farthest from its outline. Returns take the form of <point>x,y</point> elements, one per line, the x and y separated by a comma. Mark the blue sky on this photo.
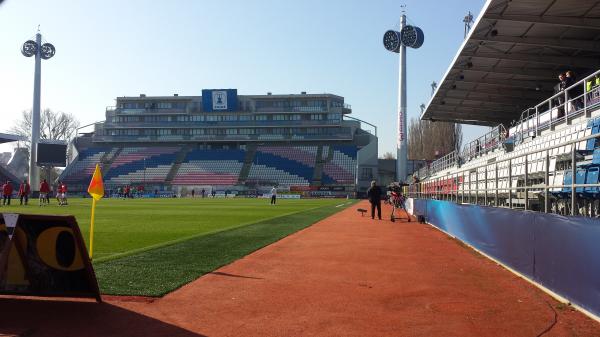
<point>115,48</point>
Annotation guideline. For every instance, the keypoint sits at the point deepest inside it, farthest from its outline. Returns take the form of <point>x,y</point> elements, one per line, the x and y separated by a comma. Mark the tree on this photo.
<point>388,155</point>
<point>53,126</point>
<point>430,140</point>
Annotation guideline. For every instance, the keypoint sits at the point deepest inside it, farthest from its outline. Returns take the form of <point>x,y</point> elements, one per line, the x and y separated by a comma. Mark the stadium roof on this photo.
<point>6,138</point>
<point>512,57</point>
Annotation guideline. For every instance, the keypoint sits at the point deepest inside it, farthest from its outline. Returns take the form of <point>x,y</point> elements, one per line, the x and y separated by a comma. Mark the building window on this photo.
<point>316,117</point>
<point>164,105</point>
<point>261,117</point>
<point>366,173</point>
<point>245,118</point>
<point>231,131</point>
<point>246,131</point>
<point>295,117</point>
<point>279,117</point>
<point>197,118</point>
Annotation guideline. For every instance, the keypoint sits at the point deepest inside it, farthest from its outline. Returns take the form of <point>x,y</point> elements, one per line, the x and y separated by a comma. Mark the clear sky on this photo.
<point>111,48</point>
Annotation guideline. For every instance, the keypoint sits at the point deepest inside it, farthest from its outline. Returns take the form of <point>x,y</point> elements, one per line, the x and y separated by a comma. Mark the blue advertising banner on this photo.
<point>217,100</point>
<point>558,252</point>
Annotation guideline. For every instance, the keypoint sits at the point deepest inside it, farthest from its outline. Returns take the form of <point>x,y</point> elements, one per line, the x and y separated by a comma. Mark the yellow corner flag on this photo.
<point>96,190</point>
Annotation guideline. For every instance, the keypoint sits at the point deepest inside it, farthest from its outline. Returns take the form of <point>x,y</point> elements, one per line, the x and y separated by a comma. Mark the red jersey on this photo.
<point>24,189</point>
<point>63,188</point>
<point>7,189</point>
<point>44,187</point>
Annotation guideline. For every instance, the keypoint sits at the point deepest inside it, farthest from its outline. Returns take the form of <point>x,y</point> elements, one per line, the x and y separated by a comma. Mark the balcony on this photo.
<point>212,138</point>
<point>200,124</point>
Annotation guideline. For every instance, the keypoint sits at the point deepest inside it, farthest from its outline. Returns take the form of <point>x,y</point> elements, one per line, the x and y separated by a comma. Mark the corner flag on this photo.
<point>96,190</point>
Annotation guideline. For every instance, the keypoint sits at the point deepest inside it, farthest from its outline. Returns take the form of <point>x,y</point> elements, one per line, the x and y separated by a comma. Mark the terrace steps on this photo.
<point>177,163</point>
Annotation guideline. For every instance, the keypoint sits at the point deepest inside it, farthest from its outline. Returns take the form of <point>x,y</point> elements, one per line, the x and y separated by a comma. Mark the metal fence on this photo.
<point>530,193</point>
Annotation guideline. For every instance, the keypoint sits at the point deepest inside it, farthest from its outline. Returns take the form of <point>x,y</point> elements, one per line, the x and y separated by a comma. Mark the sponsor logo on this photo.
<point>219,100</point>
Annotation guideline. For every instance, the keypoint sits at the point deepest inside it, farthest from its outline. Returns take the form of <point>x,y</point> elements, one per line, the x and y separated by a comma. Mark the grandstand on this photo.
<point>6,173</point>
<point>225,141</point>
<point>505,76</point>
<point>526,193</point>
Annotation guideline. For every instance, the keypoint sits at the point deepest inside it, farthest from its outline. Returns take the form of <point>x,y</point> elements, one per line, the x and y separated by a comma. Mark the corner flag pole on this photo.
<point>96,191</point>
<point>92,229</point>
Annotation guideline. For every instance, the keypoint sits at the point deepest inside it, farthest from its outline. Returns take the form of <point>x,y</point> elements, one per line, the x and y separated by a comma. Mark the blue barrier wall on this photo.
<point>561,253</point>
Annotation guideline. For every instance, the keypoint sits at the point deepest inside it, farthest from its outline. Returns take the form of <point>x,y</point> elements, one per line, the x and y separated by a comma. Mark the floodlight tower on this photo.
<point>40,51</point>
<point>394,41</point>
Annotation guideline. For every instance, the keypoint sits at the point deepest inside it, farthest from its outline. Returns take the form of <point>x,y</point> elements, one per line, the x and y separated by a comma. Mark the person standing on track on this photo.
<point>7,190</point>
<point>273,195</point>
<point>24,191</point>
<point>374,195</point>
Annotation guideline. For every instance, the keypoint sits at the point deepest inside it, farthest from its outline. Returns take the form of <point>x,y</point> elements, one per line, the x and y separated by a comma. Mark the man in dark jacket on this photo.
<point>374,195</point>
<point>24,191</point>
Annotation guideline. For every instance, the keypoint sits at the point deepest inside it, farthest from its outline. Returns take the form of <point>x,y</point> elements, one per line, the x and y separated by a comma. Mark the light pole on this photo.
<point>40,51</point>
<point>394,41</point>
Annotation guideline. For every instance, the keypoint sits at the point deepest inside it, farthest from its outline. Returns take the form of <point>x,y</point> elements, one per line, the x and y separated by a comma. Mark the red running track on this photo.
<point>345,276</point>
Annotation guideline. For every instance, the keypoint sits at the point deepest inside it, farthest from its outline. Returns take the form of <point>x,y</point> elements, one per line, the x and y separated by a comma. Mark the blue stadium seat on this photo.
<point>596,157</point>
<point>591,143</point>
<point>567,181</point>
<point>592,178</point>
<point>580,179</point>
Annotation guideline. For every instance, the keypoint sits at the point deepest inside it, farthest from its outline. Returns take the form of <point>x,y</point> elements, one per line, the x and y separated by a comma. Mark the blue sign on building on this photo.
<point>216,100</point>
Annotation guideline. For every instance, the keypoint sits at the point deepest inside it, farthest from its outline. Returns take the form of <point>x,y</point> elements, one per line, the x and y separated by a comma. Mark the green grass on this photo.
<point>159,271</point>
<point>153,246</point>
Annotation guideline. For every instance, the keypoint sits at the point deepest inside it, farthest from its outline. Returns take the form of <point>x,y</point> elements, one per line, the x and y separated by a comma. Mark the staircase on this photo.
<point>248,160</point>
<point>177,163</point>
<point>318,173</point>
<point>107,160</point>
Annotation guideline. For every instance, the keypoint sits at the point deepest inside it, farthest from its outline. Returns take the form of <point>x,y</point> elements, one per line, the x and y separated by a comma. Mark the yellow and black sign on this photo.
<point>42,255</point>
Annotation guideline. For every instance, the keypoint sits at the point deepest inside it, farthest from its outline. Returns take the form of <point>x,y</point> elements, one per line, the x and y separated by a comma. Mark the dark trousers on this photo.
<point>376,204</point>
<point>24,197</point>
<point>273,199</point>
<point>6,200</point>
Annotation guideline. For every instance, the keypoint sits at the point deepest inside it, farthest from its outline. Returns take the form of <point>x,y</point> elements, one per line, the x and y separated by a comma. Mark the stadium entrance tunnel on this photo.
<point>557,252</point>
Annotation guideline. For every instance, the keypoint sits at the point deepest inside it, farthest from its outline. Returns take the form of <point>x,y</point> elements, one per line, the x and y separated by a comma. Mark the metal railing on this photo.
<point>571,102</point>
<point>484,144</point>
<point>526,190</point>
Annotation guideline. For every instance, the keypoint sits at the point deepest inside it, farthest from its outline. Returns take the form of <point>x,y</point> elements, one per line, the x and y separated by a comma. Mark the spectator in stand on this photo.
<point>374,195</point>
<point>273,195</point>
<point>7,190</point>
<point>561,98</point>
<point>24,191</point>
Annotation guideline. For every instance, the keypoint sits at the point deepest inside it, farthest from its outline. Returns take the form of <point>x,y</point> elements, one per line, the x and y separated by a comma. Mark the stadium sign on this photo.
<point>43,255</point>
<point>219,100</point>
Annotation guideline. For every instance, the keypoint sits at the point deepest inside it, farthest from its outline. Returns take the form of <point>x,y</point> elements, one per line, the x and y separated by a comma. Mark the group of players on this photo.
<point>25,191</point>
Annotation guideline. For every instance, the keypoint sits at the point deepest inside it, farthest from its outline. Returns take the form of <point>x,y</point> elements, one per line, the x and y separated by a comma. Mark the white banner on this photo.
<point>409,205</point>
<point>10,220</point>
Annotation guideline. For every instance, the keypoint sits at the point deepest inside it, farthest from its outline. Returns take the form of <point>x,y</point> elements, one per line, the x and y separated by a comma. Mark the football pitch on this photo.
<point>153,246</point>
